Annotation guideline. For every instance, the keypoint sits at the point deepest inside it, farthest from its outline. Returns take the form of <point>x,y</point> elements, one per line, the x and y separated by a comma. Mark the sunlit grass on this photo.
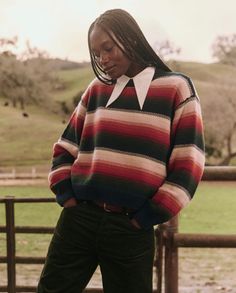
<point>76,80</point>
<point>212,211</point>
<point>27,141</point>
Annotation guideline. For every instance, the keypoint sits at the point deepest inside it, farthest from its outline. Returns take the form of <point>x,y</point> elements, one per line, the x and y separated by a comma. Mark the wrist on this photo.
<point>70,202</point>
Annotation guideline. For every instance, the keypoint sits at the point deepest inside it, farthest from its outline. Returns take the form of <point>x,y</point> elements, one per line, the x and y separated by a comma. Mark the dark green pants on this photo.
<point>85,237</point>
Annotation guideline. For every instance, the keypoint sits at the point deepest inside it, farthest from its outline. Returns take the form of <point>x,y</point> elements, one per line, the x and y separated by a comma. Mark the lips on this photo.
<point>109,69</point>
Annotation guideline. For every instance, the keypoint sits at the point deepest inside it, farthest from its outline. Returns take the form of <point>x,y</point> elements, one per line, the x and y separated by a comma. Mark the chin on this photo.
<point>114,76</point>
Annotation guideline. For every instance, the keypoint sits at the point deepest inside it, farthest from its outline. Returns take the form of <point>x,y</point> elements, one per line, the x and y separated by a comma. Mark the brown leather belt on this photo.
<point>109,208</point>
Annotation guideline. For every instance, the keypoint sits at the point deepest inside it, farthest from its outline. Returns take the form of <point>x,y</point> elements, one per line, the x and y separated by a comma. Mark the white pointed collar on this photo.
<point>141,81</point>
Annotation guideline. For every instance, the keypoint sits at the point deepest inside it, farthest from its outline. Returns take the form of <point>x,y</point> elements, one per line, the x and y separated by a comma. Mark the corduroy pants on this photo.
<point>87,236</point>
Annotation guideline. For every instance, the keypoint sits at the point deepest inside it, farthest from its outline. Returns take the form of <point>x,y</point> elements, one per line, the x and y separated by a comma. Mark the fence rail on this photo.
<point>32,173</point>
<point>167,237</point>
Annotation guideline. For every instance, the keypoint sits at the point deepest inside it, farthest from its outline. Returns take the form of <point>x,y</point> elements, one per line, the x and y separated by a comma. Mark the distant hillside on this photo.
<point>75,80</point>
<point>29,140</point>
<point>62,64</point>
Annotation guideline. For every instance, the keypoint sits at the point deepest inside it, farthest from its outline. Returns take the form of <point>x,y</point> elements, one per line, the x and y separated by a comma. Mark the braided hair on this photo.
<point>128,37</point>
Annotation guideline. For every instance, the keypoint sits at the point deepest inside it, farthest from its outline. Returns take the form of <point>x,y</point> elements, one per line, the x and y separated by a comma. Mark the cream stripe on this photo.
<point>80,110</point>
<point>188,153</point>
<point>122,159</point>
<point>140,119</point>
<point>177,193</point>
<point>58,170</point>
<point>190,108</point>
<point>69,146</point>
<point>177,82</point>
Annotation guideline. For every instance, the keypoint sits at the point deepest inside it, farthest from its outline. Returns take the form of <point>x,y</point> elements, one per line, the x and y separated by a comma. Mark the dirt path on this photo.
<point>200,271</point>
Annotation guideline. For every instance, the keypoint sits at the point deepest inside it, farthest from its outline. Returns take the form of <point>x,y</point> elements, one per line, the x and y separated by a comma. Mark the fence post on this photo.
<point>10,231</point>
<point>33,172</point>
<point>13,173</point>
<point>171,257</point>
<point>159,257</point>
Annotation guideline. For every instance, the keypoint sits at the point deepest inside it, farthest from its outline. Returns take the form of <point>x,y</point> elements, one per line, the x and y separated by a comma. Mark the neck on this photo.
<point>134,69</point>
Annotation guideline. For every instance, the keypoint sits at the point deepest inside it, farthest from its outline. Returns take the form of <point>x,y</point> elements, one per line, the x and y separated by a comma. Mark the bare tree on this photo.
<point>165,49</point>
<point>220,122</point>
<point>6,44</point>
<point>24,79</point>
<point>224,49</point>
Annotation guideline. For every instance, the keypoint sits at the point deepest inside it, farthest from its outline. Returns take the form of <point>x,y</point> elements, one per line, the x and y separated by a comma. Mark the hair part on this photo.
<point>127,35</point>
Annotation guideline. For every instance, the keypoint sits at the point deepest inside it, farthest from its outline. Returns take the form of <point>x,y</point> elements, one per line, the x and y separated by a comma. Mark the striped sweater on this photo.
<point>150,160</point>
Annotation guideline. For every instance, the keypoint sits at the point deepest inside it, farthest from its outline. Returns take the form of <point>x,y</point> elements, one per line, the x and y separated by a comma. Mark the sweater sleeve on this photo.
<point>65,151</point>
<point>184,169</point>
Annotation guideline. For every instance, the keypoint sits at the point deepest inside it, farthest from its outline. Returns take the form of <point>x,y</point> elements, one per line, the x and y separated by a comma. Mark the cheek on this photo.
<point>124,60</point>
<point>126,64</point>
<point>119,55</point>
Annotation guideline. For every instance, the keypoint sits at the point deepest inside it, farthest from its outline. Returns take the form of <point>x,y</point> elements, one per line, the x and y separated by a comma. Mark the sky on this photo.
<point>60,26</point>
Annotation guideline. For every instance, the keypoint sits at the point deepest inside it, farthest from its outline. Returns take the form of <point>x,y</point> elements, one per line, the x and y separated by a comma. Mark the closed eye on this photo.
<point>109,49</point>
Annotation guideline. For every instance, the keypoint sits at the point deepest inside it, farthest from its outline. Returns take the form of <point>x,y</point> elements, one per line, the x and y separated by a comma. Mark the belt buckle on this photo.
<point>105,208</point>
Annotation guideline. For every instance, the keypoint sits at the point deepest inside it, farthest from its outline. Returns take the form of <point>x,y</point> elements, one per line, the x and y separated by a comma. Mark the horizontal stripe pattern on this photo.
<point>152,158</point>
<point>59,174</point>
<point>122,165</point>
<point>172,198</point>
<point>130,118</point>
<point>68,146</point>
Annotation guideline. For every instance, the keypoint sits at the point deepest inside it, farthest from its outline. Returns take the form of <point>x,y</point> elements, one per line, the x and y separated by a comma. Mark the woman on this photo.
<point>130,158</point>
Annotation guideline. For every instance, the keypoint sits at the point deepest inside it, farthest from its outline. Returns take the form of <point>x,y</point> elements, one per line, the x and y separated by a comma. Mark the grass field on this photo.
<point>212,210</point>
<point>76,80</point>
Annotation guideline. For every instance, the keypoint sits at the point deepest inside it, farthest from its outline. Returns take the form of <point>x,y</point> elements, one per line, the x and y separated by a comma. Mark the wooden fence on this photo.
<point>167,237</point>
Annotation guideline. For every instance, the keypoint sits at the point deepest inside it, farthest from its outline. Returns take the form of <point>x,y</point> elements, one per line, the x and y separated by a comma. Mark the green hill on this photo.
<point>27,141</point>
<point>75,80</point>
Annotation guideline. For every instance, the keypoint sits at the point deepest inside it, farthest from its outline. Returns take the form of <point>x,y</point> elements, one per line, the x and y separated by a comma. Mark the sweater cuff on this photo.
<point>63,191</point>
<point>150,215</point>
<point>62,198</point>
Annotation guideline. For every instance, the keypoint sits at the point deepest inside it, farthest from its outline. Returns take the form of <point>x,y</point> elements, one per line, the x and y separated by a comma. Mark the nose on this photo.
<point>104,58</point>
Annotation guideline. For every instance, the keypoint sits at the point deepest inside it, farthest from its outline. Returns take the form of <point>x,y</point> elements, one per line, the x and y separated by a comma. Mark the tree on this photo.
<point>6,44</point>
<point>220,122</point>
<point>224,49</point>
<point>166,51</point>
<point>220,107</point>
<point>24,79</point>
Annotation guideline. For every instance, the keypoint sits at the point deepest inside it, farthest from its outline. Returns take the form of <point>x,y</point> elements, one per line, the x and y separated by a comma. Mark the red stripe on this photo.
<point>168,202</point>
<point>59,176</point>
<point>193,122</point>
<point>58,150</point>
<point>122,129</point>
<point>76,122</point>
<point>188,165</point>
<point>166,93</point>
<point>118,172</point>
<point>97,91</point>
<point>190,121</point>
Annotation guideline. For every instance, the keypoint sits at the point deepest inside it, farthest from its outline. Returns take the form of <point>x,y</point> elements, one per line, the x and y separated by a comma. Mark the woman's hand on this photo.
<point>71,202</point>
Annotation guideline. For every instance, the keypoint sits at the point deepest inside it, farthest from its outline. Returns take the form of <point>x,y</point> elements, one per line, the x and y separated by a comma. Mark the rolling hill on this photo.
<point>28,141</point>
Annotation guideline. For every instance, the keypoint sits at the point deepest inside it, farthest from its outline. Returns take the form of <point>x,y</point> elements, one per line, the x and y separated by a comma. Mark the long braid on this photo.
<point>127,32</point>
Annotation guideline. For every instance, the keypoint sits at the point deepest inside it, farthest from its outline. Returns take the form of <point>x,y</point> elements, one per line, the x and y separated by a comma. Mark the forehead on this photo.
<point>98,37</point>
